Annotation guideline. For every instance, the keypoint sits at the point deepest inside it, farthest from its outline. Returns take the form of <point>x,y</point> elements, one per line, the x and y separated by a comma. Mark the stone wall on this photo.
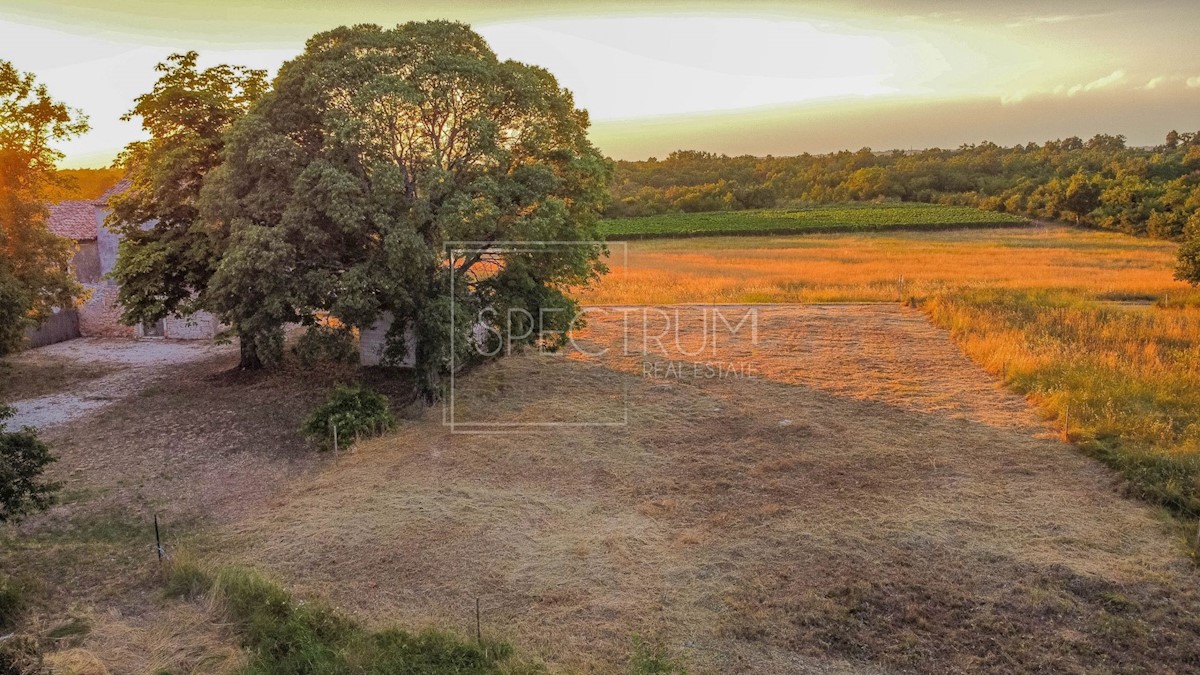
<point>198,326</point>
<point>372,341</point>
<point>100,316</point>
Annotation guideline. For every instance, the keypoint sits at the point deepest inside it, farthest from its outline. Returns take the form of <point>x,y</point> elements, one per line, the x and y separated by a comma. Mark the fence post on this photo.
<point>158,541</point>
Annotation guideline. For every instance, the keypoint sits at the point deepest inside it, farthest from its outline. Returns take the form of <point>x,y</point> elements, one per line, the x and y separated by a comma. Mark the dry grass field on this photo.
<point>885,267</point>
<point>858,495</point>
<point>850,491</point>
<point>1091,326</point>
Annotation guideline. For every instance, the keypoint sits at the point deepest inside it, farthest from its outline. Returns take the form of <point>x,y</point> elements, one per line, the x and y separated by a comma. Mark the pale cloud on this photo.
<point>1156,82</point>
<point>1042,20</point>
<point>1194,82</point>
<point>1115,77</point>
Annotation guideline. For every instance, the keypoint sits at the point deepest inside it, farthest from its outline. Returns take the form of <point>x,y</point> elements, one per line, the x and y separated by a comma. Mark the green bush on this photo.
<point>355,412</point>
<point>23,458</point>
<point>325,343</point>
<point>12,602</point>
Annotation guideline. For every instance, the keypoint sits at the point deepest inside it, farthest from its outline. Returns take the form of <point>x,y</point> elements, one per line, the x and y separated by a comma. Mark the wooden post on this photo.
<point>157,541</point>
<point>335,445</point>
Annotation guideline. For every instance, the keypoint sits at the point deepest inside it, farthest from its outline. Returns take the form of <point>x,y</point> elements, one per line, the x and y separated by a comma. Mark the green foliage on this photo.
<point>166,268</point>
<point>374,151</point>
<point>34,276</point>
<point>841,218</point>
<point>325,343</point>
<point>354,411</point>
<point>187,580</point>
<point>23,458</point>
<point>1188,268</point>
<point>653,659</point>
<point>293,637</point>
<point>1099,182</point>
<point>12,602</point>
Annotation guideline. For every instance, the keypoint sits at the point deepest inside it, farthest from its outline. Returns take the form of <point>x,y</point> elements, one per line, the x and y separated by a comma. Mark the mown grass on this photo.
<point>1122,382</point>
<point>1091,326</point>
<point>865,217</point>
<point>287,636</point>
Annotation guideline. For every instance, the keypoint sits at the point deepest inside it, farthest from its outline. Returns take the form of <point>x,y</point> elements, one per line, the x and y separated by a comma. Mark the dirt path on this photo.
<point>136,364</point>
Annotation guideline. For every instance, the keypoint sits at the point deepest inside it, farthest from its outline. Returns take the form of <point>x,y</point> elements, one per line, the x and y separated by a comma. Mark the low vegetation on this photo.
<point>1123,381</point>
<point>863,217</point>
<point>23,459</point>
<point>287,636</point>
<point>352,412</point>
<point>12,602</point>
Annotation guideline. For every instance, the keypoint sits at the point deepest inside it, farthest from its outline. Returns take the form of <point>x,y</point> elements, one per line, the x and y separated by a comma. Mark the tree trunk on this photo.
<point>250,358</point>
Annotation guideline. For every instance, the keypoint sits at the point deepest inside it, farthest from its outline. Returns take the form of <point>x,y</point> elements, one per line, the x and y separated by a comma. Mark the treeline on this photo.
<point>1100,182</point>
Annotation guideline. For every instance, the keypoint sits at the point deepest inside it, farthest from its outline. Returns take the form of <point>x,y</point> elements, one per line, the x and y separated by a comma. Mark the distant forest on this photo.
<point>1099,182</point>
<point>82,184</point>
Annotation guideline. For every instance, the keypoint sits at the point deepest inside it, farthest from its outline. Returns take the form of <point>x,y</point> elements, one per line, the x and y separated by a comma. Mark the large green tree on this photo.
<point>34,274</point>
<point>343,186</point>
<point>167,255</point>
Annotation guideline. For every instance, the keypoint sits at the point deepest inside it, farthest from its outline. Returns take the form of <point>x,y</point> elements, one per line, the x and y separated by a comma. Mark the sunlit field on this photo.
<point>1091,326</point>
<point>886,266</point>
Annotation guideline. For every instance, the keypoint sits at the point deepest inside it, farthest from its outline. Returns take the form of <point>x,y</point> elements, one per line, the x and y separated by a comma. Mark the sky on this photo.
<point>732,77</point>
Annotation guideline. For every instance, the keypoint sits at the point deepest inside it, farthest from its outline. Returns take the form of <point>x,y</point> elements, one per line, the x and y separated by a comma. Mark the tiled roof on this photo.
<point>121,186</point>
<point>73,220</point>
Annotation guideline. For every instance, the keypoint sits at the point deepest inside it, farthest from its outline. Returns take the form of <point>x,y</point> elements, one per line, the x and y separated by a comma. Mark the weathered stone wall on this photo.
<point>372,341</point>
<point>100,316</point>
<point>198,326</point>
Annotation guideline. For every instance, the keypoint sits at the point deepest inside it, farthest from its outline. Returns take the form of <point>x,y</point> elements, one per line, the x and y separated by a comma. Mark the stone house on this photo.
<point>83,222</point>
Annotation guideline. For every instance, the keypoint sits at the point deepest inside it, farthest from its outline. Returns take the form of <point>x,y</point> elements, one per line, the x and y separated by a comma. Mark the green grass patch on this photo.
<point>13,600</point>
<point>865,217</point>
<point>285,635</point>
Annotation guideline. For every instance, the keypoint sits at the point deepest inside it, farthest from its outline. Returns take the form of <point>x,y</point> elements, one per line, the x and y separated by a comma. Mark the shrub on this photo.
<point>325,343</point>
<point>355,411</point>
<point>12,602</point>
<point>23,458</point>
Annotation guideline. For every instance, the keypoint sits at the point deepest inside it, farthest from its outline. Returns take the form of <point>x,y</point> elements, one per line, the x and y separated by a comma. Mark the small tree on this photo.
<point>165,268</point>
<point>23,458</point>
<point>1188,267</point>
<point>34,273</point>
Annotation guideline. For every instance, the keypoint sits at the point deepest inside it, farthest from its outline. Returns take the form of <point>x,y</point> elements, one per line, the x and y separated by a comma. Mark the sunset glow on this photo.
<point>658,77</point>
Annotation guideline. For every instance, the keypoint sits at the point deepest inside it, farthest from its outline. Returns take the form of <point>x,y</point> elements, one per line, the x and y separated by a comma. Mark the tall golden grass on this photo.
<point>1090,326</point>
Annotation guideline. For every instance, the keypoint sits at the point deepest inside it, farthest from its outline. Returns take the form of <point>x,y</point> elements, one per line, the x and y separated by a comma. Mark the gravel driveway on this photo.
<point>138,362</point>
